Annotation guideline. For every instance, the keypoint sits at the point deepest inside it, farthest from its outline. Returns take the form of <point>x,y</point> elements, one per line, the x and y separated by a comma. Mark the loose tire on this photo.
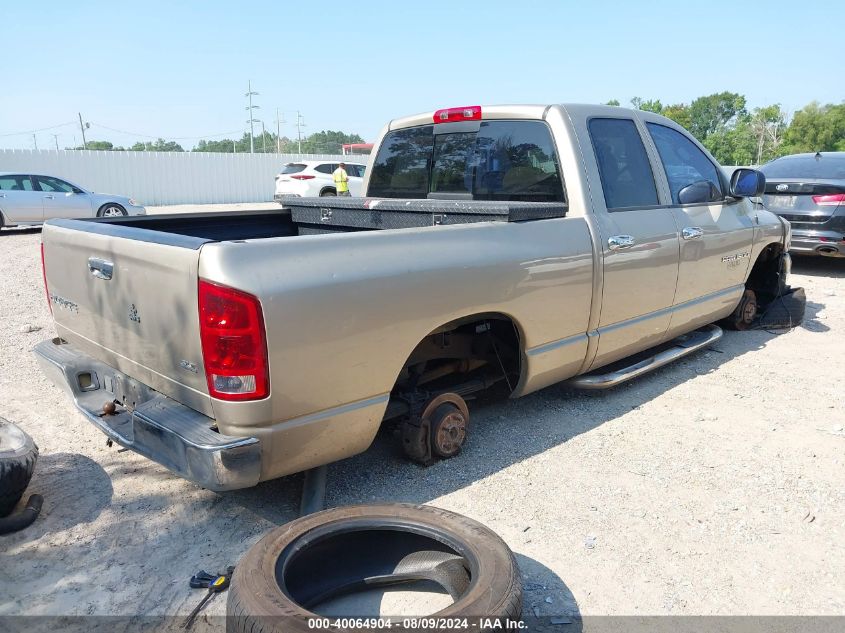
<point>746,311</point>
<point>18,454</point>
<point>111,211</point>
<point>340,550</point>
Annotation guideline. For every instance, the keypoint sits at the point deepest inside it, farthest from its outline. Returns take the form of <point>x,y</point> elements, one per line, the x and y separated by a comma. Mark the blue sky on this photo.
<point>180,69</point>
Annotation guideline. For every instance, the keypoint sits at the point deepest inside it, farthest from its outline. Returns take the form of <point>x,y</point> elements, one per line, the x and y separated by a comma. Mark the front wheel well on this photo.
<point>767,275</point>
<point>109,204</point>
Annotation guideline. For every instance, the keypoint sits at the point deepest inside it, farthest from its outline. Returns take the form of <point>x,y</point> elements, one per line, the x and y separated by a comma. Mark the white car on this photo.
<point>314,178</point>
<point>31,199</point>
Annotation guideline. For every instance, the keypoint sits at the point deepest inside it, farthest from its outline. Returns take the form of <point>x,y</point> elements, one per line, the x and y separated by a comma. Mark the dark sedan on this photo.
<point>809,191</point>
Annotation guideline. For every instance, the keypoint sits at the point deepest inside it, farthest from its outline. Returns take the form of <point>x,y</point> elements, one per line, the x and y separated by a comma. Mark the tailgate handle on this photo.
<point>100,268</point>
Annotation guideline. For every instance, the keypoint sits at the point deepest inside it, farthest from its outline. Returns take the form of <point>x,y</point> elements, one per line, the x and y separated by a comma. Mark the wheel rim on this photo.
<point>112,212</point>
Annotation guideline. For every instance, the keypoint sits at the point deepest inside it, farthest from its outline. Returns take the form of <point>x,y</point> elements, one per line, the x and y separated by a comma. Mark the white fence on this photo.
<point>155,178</point>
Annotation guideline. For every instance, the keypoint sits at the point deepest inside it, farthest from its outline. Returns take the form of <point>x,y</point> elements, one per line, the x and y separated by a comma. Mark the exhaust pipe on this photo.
<point>829,251</point>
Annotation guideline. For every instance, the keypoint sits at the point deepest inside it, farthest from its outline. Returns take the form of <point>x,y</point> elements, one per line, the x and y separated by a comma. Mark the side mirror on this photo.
<point>747,183</point>
<point>698,192</point>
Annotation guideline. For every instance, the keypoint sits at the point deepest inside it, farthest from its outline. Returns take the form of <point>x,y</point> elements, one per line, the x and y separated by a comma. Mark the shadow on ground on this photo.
<point>11,232</point>
<point>493,444</point>
<point>831,267</point>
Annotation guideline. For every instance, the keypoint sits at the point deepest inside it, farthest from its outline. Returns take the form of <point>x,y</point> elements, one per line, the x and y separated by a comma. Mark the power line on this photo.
<point>172,138</point>
<point>52,127</point>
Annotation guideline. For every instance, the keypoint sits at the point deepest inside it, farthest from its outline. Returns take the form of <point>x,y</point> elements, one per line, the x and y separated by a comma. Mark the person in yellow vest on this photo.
<point>341,180</point>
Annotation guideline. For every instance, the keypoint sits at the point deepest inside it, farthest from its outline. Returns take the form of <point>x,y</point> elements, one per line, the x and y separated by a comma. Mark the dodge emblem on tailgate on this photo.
<point>133,314</point>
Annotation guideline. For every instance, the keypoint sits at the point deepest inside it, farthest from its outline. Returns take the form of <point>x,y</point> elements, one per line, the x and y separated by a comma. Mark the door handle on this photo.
<point>48,197</point>
<point>100,268</point>
<point>2,195</point>
<point>618,242</point>
<point>691,233</point>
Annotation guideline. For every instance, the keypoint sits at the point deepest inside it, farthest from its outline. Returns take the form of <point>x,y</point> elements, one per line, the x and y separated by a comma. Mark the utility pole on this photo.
<point>279,121</point>
<point>234,148</point>
<point>82,127</point>
<point>56,138</point>
<point>299,126</point>
<point>35,142</point>
<point>251,120</point>
<point>263,139</point>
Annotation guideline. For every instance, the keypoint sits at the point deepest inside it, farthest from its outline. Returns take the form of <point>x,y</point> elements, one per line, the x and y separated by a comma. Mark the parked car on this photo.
<point>809,191</point>
<point>30,199</point>
<point>314,178</point>
<point>542,244</point>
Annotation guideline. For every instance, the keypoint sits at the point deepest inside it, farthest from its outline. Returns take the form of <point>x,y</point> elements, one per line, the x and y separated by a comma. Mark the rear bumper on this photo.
<point>159,428</point>
<point>827,243</point>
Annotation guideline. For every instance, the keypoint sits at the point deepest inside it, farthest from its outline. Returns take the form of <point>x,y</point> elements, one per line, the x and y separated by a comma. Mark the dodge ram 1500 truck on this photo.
<point>518,245</point>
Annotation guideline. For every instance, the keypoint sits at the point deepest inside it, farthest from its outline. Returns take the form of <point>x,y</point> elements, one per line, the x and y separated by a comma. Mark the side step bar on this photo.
<point>680,347</point>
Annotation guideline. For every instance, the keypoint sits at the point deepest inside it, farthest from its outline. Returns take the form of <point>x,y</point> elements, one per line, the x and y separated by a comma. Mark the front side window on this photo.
<point>502,160</point>
<point>46,183</point>
<point>624,167</point>
<point>683,161</point>
<point>15,183</point>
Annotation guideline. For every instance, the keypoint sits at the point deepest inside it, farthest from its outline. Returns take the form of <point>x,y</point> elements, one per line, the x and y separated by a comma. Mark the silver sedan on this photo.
<point>31,199</point>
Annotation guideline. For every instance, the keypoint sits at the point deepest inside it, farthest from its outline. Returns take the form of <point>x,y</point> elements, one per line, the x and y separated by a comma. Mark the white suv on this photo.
<point>314,178</point>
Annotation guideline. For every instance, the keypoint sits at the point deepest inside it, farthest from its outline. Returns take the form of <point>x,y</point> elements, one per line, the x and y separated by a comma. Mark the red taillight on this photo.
<point>234,346</point>
<point>302,177</point>
<point>44,274</point>
<point>450,115</point>
<point>830,200</point>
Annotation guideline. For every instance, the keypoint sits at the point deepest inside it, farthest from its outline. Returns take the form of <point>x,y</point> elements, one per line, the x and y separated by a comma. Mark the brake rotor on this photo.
<point>448,417</point>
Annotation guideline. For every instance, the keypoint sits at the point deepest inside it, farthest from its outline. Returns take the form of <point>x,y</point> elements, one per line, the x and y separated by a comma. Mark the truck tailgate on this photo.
<point>131,304</point>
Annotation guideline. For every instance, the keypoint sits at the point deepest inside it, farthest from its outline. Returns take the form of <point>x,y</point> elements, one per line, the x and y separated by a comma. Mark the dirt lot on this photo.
<point>714,486</point>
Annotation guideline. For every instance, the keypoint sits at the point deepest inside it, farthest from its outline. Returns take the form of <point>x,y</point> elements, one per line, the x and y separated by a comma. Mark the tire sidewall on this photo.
<point>12,435</point>
<point>489,594</point>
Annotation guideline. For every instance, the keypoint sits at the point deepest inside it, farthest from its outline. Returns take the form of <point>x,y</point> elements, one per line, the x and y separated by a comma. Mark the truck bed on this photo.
<point>308,216</point>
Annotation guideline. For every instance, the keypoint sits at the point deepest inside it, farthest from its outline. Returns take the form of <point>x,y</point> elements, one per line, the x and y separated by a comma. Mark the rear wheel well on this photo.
<point>484,346</point>
<point>325,191</point>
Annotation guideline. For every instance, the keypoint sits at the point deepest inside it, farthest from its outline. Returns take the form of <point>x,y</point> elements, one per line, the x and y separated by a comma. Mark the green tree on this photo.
<point>613,102</point>
<point>710,113</point>
<point>652,105</point>
<point>160,145</point>
<point>816,128</point>
<point>105,146</point>
<point>679,113</point>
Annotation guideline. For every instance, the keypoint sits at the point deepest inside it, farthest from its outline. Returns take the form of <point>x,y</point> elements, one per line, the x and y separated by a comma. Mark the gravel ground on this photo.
<point>713,486</point>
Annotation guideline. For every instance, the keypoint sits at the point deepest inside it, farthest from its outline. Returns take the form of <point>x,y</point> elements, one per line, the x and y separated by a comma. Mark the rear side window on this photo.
<point>826,167</point>
<point>503,160</point>
<point>293,168</point>
<point>625,170</point>
<point>15,183</point>
<point>402,165</point>
<point>683,161</point>
<point>325,168</point>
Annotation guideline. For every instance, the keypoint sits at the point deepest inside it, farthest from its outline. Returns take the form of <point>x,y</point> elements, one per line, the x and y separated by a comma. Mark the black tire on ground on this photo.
<point>744,314</point>
<point>312,558</point>
<point>18,454</point>
<point>786,311</point>
<point>112,210</point>
<point>327,192</point>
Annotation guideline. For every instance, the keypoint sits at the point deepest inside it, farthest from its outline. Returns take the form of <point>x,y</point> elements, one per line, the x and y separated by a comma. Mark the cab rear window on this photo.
<point>501,160</point>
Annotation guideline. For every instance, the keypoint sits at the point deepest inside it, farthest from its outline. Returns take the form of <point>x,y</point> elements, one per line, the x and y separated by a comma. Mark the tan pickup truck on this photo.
<point>511,245</point>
